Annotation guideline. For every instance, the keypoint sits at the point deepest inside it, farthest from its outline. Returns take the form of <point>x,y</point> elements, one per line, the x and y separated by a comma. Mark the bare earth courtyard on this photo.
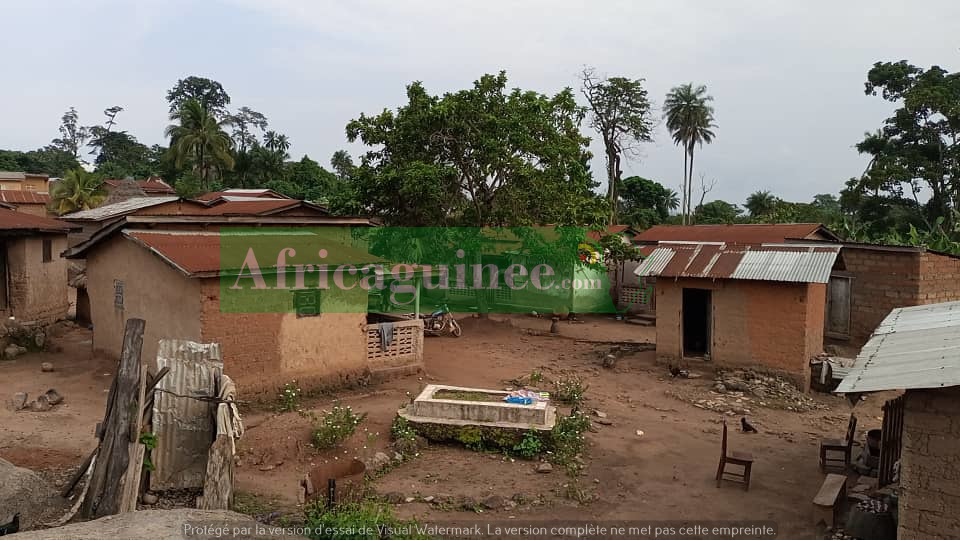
<point>665,474</point>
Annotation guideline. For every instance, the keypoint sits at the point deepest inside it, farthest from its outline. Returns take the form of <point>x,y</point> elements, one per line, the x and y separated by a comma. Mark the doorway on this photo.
<point>696,322</point>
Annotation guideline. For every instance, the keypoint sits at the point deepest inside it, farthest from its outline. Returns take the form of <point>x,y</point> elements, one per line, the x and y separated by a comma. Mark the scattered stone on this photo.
<point>409,499</point>
<point>600,414</point>
<point>11,352</point>
<point>46,367</point>
<point>494,501</point>
<point>468,504</point>
<point>40,404</point>
<point>18,401</point>
<point>429,499</point>
<point>544,467</point>
<point>378,462</point>
<point>639,433</point>
<point>149,498</point>
<point>609,361</point>
<point>720,388</point>
<point>393,497</point>
<point>53,397</point>
<point>604,421</point>
<point>268,467</point>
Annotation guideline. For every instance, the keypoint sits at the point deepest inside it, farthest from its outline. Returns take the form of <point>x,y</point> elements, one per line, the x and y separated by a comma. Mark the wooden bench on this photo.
<point>828,503</point>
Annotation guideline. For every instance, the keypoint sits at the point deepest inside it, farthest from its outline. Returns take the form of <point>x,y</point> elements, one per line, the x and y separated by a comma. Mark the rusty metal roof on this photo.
<point>11,220</point>
<point>767,262</point>
<point>224,207</point>
<point>115,210</point>
<point>913,348</point>
<point>24,197</point>
<point>735,233</point>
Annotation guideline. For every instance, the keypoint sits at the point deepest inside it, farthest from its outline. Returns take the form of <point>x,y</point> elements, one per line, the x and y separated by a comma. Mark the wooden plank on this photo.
<point>130,484</point>
<point>830,489</point>
<point>218,484</point>
<point>103,496</point>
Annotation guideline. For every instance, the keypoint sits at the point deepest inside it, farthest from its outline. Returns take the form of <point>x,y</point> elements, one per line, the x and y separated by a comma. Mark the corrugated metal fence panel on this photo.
<point>184,426</point>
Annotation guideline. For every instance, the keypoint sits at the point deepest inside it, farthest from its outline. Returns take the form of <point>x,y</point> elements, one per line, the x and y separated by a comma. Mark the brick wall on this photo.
<point>264,351</point>
<point>930,465</point>
<point>773,325</point>
<point>940,277</point>
<point>37,289</point>
<point>882,281</point>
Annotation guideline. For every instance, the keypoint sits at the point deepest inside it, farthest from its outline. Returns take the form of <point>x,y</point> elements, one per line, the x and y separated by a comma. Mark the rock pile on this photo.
<point>741,388</point>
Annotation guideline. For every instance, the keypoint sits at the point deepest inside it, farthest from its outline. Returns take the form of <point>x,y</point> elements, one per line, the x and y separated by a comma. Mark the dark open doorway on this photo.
<point>696,323</point>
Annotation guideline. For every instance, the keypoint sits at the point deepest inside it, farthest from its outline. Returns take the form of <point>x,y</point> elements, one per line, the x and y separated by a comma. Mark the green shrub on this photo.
<point>365,520</point>
<point>472,437</point>
<point>569,441</point>
<point>570,390</point>
<point>530,446</point>
<point>335,426</point>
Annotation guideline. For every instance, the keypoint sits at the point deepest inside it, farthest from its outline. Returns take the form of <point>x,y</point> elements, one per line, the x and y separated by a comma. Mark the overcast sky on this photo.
<point>787,78</point>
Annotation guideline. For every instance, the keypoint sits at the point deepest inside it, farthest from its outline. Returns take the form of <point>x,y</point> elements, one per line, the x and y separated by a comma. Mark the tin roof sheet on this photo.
<point>120,208</point>
<point>776,263</point>
<point>913,348</point>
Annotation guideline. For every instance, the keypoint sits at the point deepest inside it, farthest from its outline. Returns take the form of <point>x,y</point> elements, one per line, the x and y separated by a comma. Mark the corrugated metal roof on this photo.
<point>11,220</point>
<point>913,348</point>
<point>776,263</point>
<point>735,233</point>
<point>24,197</point>
<point>12,175</point>
<point>120,208</point>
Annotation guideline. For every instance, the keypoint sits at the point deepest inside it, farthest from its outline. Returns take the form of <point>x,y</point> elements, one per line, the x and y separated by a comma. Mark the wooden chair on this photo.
<point>845,446</point>
<point>745,460</point>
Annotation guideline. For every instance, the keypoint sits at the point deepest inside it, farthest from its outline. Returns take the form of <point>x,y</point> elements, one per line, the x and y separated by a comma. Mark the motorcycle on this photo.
<point>441,322</point>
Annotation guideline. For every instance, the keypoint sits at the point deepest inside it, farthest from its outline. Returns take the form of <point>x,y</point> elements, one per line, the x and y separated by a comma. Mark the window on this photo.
<point>307,302</point>
<point>47,250</point>
<point>118,293</point>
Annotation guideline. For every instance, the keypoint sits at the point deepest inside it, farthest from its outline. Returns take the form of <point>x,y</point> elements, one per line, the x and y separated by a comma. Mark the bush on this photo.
<point>570,390</point>
<point>530,446</point>
<point>335,426</point>
<point>366,520</point>
<point>569,441</point>
<point>289,397</point>
<point>404,437</point>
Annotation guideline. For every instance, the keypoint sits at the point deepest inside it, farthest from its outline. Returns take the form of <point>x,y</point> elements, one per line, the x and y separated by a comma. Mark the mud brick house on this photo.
<point>760,306</point>
<point>918,349</point>
<point>866,282</point>
<point>162,264</point>
<point>33,275</point>
<point>25,201</point>
<point>27,182</point>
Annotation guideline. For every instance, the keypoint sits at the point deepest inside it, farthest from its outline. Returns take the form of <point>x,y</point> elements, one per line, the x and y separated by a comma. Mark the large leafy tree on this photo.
<point>620,113</point>
<point>917,150</point>
<point>198,138</point>
<point>644,202</point>
<point>718,212</point>
<point>761,203</point>
<point>482,156</point>
<point>49,159</point>
<point>78,190</point>
<point>207,92</point>
<point>690,120</point>
<point>73,136</point>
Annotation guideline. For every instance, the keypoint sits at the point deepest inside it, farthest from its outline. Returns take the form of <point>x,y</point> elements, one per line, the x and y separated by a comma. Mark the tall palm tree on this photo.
<point>78,190</point>
<point>276,142</point>
<point>761,203</point>
<point>689,118</point>
<point>199,136</point>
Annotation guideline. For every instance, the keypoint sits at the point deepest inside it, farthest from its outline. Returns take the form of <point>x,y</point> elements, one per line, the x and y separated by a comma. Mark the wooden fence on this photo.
<point>891,439</point>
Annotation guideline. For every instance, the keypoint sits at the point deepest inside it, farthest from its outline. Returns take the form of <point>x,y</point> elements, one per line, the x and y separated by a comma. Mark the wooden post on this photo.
<point>121,419</point>
<point>416,300</point>
<point>218,484</point>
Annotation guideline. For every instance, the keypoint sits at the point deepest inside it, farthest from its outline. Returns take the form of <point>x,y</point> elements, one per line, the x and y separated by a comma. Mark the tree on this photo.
<point>761,203</point>
<point>73,136</point>
<point>276,142</point>
<point>49,159</point>
<point>78,190</point>
<point>644,202</point>
<point>689,118</point>
<point>199,138</point>
<point>718,212</point>
<point>917,150</point>
<point>120,155</point>
<point>620,112</point>
<point>481,156</point>
<point>207,92</point>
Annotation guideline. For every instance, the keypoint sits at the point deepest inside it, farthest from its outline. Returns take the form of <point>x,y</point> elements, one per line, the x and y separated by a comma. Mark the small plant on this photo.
<point>570,390</point>
<point>289,397</point>
<point>569,441</point>
<point>149,441</point>
<point>472,437</point>
<point>335,426</point>
<point>404,437</point>
<point>536,377</point>
<point>365,520</point>
<point>530,446</point>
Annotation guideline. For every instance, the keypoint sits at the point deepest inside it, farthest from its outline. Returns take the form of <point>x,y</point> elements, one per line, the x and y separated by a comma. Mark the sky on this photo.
<point>787,78</point>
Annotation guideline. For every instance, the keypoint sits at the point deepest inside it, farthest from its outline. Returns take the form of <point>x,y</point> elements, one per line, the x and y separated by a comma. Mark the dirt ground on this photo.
<point>665,474</point>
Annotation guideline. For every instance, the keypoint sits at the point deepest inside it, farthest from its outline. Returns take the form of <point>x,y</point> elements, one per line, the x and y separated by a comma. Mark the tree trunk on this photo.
<point>690,189</point>
<point>683,190</point>
<point>612,183</point>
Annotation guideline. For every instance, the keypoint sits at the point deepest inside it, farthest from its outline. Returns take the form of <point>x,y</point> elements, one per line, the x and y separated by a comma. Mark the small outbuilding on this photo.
<point>33,275</point>
<point>744,305</point>
<point>918,349</point>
